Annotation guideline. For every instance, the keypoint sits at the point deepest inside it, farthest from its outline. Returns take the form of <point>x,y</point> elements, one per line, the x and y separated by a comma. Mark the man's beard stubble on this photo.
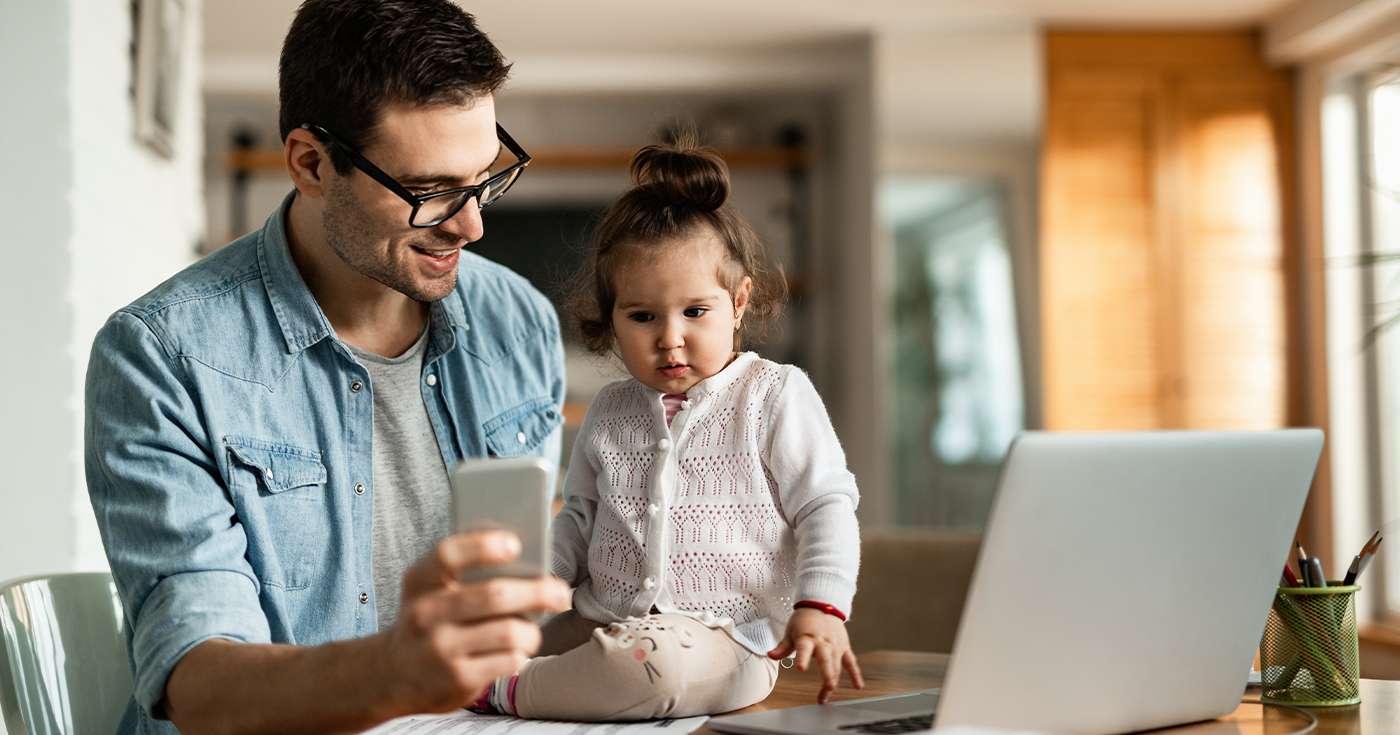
<point>347,234</point>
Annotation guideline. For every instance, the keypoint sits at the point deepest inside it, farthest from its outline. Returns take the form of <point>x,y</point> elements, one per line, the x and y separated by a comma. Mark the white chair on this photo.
<point>63,660</point>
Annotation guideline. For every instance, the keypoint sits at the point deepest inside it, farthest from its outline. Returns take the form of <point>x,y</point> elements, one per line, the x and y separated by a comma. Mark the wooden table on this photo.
<point>892,672</point>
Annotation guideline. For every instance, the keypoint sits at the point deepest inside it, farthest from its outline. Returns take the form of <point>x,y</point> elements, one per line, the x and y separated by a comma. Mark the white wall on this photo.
<point>94,219</point>
<point>960,88</point>
<point>35,315</point>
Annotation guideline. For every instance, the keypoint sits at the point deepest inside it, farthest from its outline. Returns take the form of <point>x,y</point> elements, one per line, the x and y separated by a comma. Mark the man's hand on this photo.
<point>815,634</point>
<point>452,639</point>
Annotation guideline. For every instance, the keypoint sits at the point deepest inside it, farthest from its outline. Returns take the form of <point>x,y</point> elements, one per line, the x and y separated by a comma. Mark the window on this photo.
<point>1361,202</point>
<point>1381,194</point>
<point>955,372</point>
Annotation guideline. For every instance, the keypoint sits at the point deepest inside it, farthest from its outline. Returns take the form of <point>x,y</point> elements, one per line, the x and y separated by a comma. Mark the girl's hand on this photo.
<point>815,634</point>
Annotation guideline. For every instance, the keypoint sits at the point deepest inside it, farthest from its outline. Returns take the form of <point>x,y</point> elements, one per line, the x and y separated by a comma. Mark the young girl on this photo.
<point>709,524</point>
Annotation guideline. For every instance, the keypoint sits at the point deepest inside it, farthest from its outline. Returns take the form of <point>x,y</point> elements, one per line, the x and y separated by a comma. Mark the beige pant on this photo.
<point>661,665</point>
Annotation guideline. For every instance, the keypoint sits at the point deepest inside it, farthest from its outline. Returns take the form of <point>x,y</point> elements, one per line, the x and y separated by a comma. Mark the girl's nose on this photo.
<point>671,337</point>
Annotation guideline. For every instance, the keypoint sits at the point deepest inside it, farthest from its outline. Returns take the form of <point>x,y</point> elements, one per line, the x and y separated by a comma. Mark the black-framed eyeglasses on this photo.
<point>434,208</point>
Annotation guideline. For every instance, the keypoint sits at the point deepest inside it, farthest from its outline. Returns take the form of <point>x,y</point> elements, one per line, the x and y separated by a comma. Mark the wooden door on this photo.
<point>1165,251</point>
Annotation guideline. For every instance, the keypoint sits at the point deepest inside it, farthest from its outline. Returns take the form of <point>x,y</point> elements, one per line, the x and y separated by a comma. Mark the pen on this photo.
<point>1304,570</point>
<point>1366,556</point>
<point>1319,579</point>
<point>1354,570</point>
<point>1289,578</point>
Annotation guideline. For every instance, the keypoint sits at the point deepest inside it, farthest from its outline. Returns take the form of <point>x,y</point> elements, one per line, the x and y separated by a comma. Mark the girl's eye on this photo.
<point>695,312</point>
<point>640,317</point>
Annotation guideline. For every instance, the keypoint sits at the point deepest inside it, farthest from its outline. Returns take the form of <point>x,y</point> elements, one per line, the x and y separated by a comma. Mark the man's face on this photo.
<point>426,149</point>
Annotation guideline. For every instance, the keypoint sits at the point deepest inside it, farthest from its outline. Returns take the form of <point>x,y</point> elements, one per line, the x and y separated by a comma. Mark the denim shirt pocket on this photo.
<point>523,428</point>
<point>279,491</point>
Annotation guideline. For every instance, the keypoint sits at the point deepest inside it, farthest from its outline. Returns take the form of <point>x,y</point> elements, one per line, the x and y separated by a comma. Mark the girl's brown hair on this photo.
<point>679,191</point>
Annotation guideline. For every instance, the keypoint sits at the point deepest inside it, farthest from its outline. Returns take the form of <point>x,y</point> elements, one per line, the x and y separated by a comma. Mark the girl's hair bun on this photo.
<point>683,173</point>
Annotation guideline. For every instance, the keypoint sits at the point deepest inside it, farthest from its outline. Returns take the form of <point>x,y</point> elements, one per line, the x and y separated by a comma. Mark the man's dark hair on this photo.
<point>343,61</point>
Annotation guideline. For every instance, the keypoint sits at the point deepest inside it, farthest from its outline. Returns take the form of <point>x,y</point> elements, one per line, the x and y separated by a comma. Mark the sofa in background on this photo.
<point>911,590</point>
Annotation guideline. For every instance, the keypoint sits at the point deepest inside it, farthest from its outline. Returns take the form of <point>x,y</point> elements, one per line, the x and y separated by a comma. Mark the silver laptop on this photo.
<point>1123,584</point>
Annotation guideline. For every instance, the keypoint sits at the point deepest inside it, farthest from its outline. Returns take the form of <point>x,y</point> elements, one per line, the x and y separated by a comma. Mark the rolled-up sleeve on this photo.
<point>176,548</point>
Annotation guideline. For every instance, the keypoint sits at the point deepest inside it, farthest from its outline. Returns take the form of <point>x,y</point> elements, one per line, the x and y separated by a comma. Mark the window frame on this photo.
<point>1361,473</point>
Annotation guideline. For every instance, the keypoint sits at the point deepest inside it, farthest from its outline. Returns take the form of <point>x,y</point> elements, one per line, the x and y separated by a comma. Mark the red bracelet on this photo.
<point>822,606</point>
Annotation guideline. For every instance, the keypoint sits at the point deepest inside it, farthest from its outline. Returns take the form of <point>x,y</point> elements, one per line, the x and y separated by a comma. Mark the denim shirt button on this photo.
<point>432,380</point>
<point>356,386</point>
<point>359,488</point>
<point>364,598</point>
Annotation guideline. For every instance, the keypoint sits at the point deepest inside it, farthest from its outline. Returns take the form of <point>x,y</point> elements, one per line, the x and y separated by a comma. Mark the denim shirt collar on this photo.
<point>302,321</point>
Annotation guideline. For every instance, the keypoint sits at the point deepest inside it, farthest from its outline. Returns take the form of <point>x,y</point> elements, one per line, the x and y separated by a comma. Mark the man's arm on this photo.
<point>450,641</point>
<point>177,552</point>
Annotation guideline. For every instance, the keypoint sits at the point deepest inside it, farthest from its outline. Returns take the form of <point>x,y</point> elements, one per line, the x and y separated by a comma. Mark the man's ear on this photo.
<point>307,159</point>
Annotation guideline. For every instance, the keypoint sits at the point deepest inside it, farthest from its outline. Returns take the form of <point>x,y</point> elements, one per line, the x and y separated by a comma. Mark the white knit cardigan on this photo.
<point>742,506</point>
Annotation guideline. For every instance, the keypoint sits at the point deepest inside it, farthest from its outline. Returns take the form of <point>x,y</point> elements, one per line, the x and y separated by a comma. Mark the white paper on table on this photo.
<point>470,723</point>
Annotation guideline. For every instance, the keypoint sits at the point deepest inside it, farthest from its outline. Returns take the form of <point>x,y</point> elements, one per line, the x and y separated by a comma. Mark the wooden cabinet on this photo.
<point>1166,249</point>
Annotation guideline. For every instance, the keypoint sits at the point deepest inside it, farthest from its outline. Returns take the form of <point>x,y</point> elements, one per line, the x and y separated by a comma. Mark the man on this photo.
<point>268,432</point>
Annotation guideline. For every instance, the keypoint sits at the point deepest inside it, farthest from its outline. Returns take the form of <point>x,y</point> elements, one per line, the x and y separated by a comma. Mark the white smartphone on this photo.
<point>514,494</point>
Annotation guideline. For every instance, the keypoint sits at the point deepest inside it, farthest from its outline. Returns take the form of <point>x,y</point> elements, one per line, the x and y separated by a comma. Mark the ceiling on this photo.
<point>253,28</point>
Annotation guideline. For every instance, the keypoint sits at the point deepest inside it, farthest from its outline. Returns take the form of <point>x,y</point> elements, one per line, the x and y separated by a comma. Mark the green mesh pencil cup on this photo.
<point>1308,656</point>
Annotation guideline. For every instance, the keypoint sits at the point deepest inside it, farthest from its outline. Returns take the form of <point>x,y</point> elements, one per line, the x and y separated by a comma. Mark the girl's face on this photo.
<point>673,320</point>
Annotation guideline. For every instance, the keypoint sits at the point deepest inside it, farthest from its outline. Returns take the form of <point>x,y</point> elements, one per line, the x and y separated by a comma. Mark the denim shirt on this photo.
<point>229,446</point>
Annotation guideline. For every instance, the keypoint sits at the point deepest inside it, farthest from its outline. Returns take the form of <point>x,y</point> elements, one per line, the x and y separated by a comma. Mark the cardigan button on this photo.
<point>664,444</point>
<point>653,508</point>
<point>649,583</point>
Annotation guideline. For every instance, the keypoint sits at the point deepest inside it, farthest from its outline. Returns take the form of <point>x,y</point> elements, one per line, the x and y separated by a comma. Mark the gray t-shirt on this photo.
<point>412,499</point>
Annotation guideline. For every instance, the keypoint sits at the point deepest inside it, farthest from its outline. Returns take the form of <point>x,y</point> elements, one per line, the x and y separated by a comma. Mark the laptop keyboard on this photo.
<point>916,723</point>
